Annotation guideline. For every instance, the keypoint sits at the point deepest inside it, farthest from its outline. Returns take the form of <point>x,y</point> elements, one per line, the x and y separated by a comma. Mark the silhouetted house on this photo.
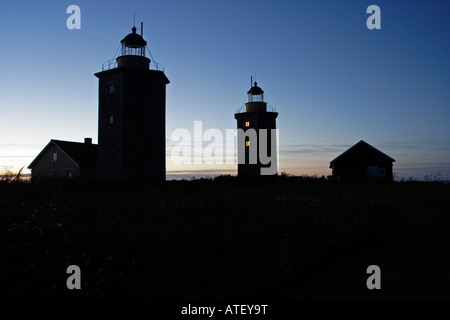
<point>255,120</point>
<point>65,159</point>
<point>360,162</point>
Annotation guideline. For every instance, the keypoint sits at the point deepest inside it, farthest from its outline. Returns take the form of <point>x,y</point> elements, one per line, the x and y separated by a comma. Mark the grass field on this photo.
<point>282,238</point>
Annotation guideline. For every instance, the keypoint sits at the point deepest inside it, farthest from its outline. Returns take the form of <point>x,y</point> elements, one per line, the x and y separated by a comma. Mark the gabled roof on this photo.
<point>361,144</point>
<point>83,154</point>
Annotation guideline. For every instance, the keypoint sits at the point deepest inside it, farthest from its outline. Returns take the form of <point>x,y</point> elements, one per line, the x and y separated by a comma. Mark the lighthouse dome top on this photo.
<point>255,90</point>
<point>133,40</point>
<point>255,94</point>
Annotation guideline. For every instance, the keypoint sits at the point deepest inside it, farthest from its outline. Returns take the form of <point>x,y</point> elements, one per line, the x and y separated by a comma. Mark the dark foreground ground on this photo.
<point>287,238</point>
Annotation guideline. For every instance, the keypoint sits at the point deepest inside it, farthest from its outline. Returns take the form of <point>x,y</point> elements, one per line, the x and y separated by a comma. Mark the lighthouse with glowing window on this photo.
<point>257,135</point>
<point>132,115</point>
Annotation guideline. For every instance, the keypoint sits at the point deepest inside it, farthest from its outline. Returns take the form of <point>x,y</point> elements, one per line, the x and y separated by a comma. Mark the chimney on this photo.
<point>88,140</point>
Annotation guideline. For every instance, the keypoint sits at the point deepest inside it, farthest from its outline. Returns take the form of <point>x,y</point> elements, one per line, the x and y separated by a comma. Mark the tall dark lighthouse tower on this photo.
<point>257,154</point>
<point>132,115</point>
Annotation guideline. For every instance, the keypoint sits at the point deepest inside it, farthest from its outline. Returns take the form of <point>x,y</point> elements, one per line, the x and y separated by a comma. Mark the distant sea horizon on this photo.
<point>169,177</point>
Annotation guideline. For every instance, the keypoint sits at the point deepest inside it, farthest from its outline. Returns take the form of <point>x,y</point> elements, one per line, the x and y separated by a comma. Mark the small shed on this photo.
<point>65,159</point>
<point>362,162</point>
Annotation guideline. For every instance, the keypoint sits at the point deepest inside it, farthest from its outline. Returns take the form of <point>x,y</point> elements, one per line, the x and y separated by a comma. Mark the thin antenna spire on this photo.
<point>134,18</point>
<point>251,81</point>
<point>142,29</point>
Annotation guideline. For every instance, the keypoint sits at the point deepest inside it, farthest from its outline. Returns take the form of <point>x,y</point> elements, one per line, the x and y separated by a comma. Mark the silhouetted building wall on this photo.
<point>256,116</point>
<point>132,116</point>
<point>65,159</point>
<point>362,162</point>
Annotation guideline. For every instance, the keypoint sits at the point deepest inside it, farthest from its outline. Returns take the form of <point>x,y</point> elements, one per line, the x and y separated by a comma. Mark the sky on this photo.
<point>332,80</point>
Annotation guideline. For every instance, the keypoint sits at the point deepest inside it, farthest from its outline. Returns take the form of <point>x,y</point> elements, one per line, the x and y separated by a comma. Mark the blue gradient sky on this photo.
<point>333,81</point>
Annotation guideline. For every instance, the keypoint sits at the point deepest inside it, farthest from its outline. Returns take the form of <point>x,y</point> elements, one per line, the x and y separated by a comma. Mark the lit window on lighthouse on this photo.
<point>247,143</point>
<point>111,119</point>
<point>247,123</point>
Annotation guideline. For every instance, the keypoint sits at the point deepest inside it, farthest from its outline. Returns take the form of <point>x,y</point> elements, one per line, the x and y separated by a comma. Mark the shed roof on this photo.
<point>357,146</point>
